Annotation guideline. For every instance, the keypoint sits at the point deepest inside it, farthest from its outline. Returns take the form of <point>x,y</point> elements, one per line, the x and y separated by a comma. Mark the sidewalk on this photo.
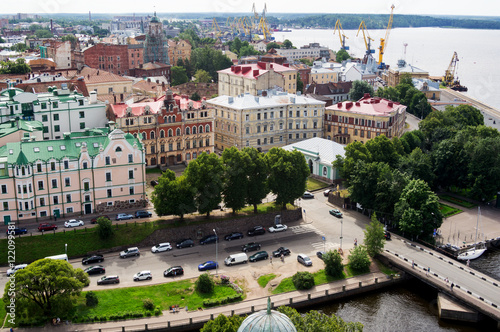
<point>169,319</point>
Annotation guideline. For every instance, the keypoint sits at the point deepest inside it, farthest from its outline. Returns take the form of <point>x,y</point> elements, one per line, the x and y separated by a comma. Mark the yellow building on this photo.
<point>255,77</point>
<point>394,74</point>
<point>275,120</point>
<point>178,50</point>
<point>348,121</point>
<point>322,75</point>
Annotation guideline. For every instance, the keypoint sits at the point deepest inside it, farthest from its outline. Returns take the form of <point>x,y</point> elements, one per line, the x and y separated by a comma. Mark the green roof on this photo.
<point>11,127</point>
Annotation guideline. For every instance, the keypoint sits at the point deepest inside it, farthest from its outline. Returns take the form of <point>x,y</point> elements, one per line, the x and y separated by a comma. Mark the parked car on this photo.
<point>96,269</point>
<point>108,280</point>
<point>304,260</point>
<point>73,223</point>
<point>336,213</point>
<point>233,236</point>
<point>92,259</point>
<point>387,235</point>
<point>173,271</point>
<point>143,214</point>
<point>143,275</point>
<point>94,220</point>
<point>17,231</point>
<point>209,239</point>
<point>185,243</point>
<point>307,195</point>
<point>281,251</point>
<point>46,227</point>
<point>259,256</point>
<point>277,228</point>
<point>124,216</point>
<point>256,230</point>
<point>134,251</point>
<point>166,246</point>
<point>252,246</point>
<point>327,192</point>
<point>320,254</point>
<point>208,265</point>
<point>154,183</point>
<point>15,269</point>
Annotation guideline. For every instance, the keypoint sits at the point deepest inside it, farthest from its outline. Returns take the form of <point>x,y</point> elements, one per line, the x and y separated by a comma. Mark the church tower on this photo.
<point>156,46</point>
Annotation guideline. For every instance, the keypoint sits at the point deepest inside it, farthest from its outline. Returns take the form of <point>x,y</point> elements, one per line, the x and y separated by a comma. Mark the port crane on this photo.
<point>383,41</point>
<point>367,39</point>
<point>449,79</point>
<point>342,36</point>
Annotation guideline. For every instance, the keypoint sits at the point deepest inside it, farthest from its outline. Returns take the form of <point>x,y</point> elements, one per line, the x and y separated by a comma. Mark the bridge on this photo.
<point>472,288</point>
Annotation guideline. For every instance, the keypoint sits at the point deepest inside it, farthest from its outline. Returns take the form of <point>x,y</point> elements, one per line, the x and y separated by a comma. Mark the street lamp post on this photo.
<point>66,249</point>
<point>216,253</point>
<point>341,226</point>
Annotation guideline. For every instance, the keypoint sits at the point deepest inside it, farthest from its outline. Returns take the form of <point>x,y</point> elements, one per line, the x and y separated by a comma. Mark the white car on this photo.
<point>15,268</point>
<point>161,247</point>
<point>277,228</point>
<point>143,275</point>
<point>73,223</point>
<point>308,195</point>
<point>304,260</point>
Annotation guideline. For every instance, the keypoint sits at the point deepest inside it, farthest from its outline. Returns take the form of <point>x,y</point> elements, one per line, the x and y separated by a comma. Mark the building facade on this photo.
<point>394,74</point>
<point>265,122</point>
<point>111,58</point>
<point>58,51</point>
<point>313,50</point>
<point>178,50</point>
<point>347,122</point>
<point>155,45</point>
<point>73,176</point>
<point>173,129</point>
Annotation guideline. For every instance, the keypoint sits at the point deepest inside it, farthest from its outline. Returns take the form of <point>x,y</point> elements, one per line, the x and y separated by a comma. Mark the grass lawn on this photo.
<point>447,210</point>
<point>264,208</point>
<point>155,170</point>
<point>80,241</point>
<point>181,293</point>
<point>384,269</point>
<point>264,280</point>
<point>457,201</point>
<point>315,184</point>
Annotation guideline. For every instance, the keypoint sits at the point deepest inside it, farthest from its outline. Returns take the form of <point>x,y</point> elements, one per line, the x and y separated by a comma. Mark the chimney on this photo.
<point>339,105</point>
<point>93,97</point>
<point>149,80</point>
<point>112,126</point>
<point>366,95</point>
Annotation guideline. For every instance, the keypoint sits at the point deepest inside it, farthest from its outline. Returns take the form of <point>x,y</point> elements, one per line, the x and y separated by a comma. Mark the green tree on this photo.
<point>374,237</point>
<point>359,260</point>
<point>319,322</point>
<point>91,299</point>
<point>382,149</point>
<point>419,106</point>
<point>236,45</point>
<point>43,33</point>
<point>353,152</point>
<point>303,280</point>
<point>247,50</point>
<point>104,228</point>
<point>300,84</point>
<point>342,55</point>
<point>417,212</point>
<point>236,178</point>
<point>223,324</point>
<point>418,166</point>
<point>287,44</point>
<point>390,93</point>
<point>18,67</point>
<point>391,183</point>
<point>209,60</point>
<point>449,159</point>
<point>257,173</point>
<point>201,76</point>
<point>19,47</point>
<point>484,168</point>
<point>272,45</point>
<point>178,75</point>
<point>406,78</point>
<point>288,174</point>
<point>205,175</point>
<point>205,284</point>
<point>195,96</point>
<point>71,38</point>
<point>364,182</point>
<point>173,195</point>
<point>358,90</point>
<point>47,288</point>
<point>307,62</point>
<point>333,263</point>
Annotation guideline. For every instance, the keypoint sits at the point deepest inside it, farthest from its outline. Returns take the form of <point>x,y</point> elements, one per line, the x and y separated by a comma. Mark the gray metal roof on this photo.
<point>326,150</point>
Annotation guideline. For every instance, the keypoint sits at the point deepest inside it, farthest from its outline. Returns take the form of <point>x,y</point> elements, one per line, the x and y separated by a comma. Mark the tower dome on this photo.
<point>267,321</point>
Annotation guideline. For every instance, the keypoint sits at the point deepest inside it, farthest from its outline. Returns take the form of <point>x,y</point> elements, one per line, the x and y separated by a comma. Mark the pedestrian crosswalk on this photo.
<point>325,245</point>
<point>305,229</point>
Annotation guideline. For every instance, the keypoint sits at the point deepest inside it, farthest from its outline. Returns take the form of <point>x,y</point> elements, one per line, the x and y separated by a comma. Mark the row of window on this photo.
<point>196,144</point>
<point>264,141</point>
<point>360,122</point>
<point>188,131</point>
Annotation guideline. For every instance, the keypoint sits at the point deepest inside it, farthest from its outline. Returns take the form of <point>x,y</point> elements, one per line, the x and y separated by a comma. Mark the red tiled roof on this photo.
<point>93,75</point>
<point>368,105</point>
<point>253,70</point>
<point>183,100</point>
<point>120,110</point>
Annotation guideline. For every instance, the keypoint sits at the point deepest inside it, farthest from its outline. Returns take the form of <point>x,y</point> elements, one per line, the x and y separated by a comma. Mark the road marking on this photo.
<point>323,245</point>
<point>305,229</point>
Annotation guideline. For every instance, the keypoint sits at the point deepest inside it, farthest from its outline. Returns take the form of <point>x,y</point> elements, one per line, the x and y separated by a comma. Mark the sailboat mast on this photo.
<point>477,224</point>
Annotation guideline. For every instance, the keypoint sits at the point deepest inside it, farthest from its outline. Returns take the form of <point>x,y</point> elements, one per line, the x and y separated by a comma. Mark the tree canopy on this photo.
<point>236,178</point>
<point>342,55</point>
<point>18,67</point>
<point>374,237</point>
<point>178,75</point>
<point>173,195</point>
<point>358,90</point>
<point>209,60</point>
<point>223,324</point>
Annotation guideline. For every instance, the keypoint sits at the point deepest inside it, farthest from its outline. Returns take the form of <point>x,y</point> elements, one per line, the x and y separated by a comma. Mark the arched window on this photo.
<point>135,135</point>
<point>152,135</point>
<point>324,171</point>
<point>118,149</point>
<point>162,133</point>
<point>194,131</point>
<point>165,119</point>
<point>170,132</point>
<point>187,131</point>
<point>188,156</point>
<point>143,135</point>
<point>178,132</point>
<point>207,128</point>
<point>200,129</point>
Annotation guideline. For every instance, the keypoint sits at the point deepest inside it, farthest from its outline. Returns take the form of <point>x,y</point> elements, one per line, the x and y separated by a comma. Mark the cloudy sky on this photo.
<point>439,7</point>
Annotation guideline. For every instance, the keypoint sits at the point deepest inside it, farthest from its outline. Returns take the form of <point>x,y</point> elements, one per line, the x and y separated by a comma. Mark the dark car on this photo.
<point>94,220</point>
<point>252,246</point>
<point>259,256</point>
<point>143,214</point>
<point>387,235</point>
<point>233,236</point>
<point>154,183</point>
<point>184,243</point>
<point>46,227</point>
<point>17,231</point>
<point>108,280</point>
<point>173,271</point>
<point>96,269</point>
<point>209,239</point>
<point>320,254</point>
<point>208,265</point>
<point>92,259</point>
<point>256,230</point>
<point>281,251</point>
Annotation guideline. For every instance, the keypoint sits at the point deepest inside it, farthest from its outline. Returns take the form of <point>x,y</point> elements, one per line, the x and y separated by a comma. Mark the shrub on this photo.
<point>104,228</point>
<point>333,264</point>
<point>303,280</point>
<point>224,280</point>
<point>148,304</point>
<point>91,299</point>
<point>359,259</point>
<point>205,284</point>
<point>157,310</point>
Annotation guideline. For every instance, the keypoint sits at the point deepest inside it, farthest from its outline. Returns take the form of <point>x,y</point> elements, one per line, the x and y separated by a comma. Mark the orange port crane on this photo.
<point>383,41</point>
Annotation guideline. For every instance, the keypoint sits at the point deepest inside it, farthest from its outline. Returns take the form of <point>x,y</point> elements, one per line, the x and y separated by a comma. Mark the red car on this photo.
<point>46,227</point>
<point>94,220</point>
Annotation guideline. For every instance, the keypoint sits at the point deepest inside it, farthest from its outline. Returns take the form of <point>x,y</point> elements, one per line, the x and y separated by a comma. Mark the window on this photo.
<point>247,117</point>
<point>57,128</point>
<point>44,107</point>
<point>258,141</point>
<point>87,198</point>
<point>40,185</point>
<point>290,125</point>
<point>5,205</point>
<point>362,133</point>
<point>153,149</point>
<point>54,183</point>
<point>69,210</point>
<point>130,158</point>
<point>68,198</point>
<point>4,188</point>
<point>368,134</point>
<point>85,165</point>
<point>298,114</point>
<point>82,125</point>
<point>45,118</point>
<point>108,160</point>
<point>297,125</point>
<point>170,147</point>
<point>55,104</point>
<point>86,186</point>
<point>42,201</point>
<point>305,113</point>
<point>130,173</point>
<point>56,117</point>
<point>39,168</point>
<point>131,191</point>
<point>66,164</point>
<point>82,115</point>
<point>55,199</point>
<point>108,176</point>
<point>258,116</point>
<point>178,145</point>
<point>297,136</point>
<point>109,193</point>
<point>258,129</point>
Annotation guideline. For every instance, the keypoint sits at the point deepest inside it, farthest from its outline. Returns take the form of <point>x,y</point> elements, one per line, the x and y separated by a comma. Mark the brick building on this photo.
<point>135,55</point>
<point>178,50</point>
<point>112,58</point>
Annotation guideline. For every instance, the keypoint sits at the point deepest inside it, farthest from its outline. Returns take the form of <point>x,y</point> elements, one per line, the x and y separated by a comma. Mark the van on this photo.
<point>236,259</point>
<point>63,257</point>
